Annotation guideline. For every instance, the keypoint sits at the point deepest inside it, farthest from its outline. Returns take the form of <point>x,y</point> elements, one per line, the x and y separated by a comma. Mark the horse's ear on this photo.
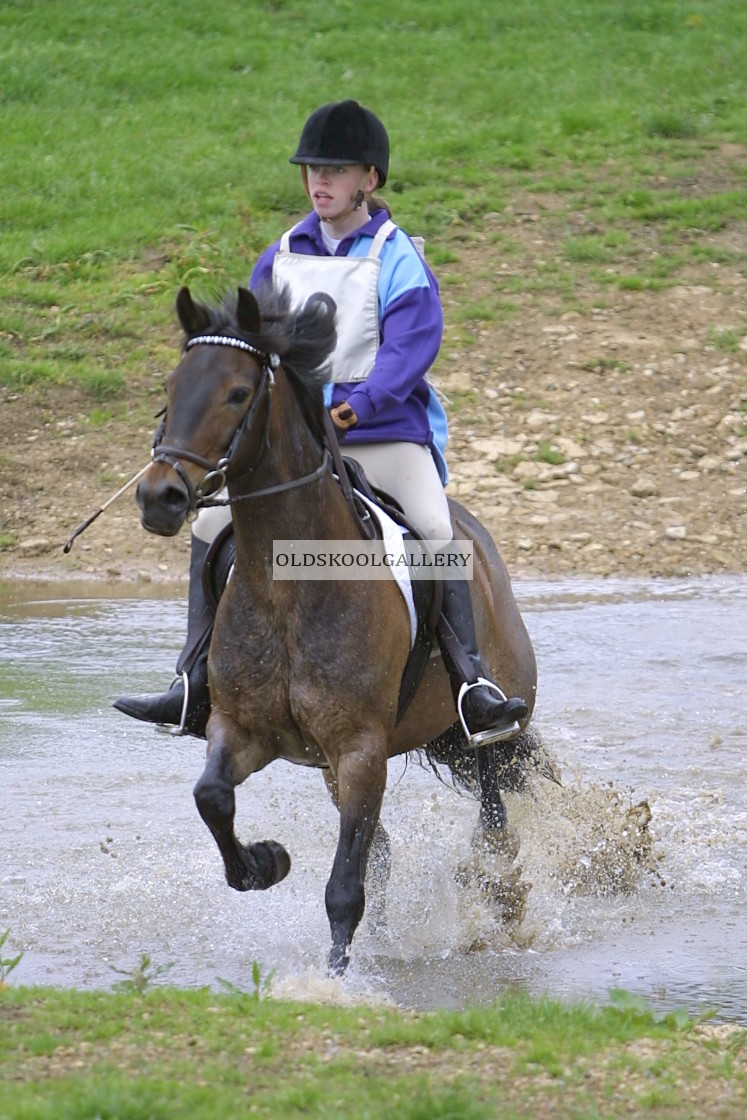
<point>247,312</point>
<point>193,317</point>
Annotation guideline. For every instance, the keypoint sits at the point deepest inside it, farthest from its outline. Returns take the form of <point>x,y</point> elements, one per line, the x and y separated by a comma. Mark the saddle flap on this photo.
<point>361,486</point>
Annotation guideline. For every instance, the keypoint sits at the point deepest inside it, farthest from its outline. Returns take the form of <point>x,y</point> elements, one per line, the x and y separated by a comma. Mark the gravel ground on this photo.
<point>608,440</point>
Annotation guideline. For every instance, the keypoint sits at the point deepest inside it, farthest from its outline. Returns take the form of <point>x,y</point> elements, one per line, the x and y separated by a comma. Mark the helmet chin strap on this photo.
<point>357,202</point>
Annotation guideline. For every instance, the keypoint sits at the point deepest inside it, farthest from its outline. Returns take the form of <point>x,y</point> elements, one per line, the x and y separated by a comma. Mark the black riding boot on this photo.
<point>486,713</point>
<point>186,704</point>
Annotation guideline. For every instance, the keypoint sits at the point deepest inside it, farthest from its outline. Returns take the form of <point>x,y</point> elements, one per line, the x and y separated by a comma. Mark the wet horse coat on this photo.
<point>305,671</point>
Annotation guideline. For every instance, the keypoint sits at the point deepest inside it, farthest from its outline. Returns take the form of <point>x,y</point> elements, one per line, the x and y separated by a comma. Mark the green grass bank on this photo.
<point>166,1054</point>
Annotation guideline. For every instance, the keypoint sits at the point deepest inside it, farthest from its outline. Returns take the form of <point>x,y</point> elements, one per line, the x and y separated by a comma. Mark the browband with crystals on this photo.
<point>226,340</point>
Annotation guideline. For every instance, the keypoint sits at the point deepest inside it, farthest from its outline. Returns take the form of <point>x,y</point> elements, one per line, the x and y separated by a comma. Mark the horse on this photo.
<point>309,671</point>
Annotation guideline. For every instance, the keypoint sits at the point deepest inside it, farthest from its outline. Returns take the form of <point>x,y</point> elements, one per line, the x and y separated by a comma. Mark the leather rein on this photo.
<point>217,472</point>
<point>201,496</point>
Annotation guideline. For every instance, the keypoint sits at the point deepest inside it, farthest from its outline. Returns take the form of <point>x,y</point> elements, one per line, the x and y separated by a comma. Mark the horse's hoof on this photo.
<point>272,862</point>
<point>259,866</point>
<point>338,961</point>
<point>502,842</point>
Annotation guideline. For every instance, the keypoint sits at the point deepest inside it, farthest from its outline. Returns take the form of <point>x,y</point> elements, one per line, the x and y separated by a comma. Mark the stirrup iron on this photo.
<point>490,735</point>
<point>185,707</point>
<point>180,728</point>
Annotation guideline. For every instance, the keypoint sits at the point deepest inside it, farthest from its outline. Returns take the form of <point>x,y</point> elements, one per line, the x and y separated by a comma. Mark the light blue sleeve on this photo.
<point>440,428</point>
<point>402,267</point>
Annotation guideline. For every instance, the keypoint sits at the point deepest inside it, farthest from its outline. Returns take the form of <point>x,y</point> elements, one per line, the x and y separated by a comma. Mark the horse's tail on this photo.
<point>519,760</point>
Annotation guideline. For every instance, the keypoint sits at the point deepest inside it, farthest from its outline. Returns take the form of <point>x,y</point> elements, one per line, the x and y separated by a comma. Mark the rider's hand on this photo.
<point>343,416</point>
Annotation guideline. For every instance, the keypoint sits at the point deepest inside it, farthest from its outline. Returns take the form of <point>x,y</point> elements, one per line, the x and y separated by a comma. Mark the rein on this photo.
<point>172,456</point>
<point>209,502</point>
<point>216,477</point>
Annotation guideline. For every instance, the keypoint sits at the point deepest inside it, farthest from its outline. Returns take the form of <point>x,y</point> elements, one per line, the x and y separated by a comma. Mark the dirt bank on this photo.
<point>605,440</point>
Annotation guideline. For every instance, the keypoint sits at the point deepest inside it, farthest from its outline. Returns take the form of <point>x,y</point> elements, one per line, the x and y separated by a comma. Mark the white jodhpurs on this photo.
<point>408,473</point>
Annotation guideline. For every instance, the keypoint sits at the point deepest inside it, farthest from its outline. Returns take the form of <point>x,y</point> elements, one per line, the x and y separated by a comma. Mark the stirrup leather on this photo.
<point>490,735</point>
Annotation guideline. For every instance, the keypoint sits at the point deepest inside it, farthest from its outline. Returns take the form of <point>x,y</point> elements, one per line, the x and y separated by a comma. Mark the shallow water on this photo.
<point>641,698</point>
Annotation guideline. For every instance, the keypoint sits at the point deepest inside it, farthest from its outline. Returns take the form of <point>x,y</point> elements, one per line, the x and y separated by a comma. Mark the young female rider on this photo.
<point>390,325</point>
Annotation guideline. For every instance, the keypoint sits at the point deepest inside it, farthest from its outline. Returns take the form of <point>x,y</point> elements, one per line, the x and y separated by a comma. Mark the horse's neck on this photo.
<point>311,510</point>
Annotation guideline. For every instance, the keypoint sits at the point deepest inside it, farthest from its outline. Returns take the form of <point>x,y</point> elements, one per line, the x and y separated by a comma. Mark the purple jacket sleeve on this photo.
<point>262,272</point>
<point>411,332</point>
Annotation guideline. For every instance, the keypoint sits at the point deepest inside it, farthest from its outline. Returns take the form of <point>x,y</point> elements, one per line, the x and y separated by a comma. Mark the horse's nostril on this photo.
<point>170,498</point>
<point>175,498</point>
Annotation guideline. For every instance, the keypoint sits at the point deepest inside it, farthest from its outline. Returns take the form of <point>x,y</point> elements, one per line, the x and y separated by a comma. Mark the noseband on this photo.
<point>215,480</point>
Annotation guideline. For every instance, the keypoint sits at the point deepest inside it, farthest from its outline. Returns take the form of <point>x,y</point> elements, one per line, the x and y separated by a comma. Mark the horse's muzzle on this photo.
<point>164,504</point>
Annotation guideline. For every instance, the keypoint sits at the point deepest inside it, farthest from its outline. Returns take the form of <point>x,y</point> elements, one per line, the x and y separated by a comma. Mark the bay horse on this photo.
<point>308,671</point>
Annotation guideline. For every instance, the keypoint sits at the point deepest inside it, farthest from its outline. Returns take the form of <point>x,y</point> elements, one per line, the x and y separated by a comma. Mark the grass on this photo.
<point>7,964</point>
<point>161,1053</point>
<point>546,454</point>
<point>146,147</point>
<point>726,340</point>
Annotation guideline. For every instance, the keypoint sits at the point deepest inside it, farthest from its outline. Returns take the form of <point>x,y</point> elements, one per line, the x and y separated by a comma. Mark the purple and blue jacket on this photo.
<point>393,402</point>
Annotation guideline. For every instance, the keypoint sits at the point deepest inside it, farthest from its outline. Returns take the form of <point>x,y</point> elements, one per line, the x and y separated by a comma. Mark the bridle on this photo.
<point>217,473</point>
<point>202,495</point>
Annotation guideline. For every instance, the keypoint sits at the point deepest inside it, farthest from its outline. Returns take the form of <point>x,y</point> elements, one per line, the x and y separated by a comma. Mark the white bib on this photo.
<point>353,283</point>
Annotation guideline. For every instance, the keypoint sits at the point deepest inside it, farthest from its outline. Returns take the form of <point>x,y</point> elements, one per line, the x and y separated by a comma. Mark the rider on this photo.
<point>389,325</point>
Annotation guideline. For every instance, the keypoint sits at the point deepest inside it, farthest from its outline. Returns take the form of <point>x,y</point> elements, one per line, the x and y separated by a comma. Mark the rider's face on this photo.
<point>333,189</point>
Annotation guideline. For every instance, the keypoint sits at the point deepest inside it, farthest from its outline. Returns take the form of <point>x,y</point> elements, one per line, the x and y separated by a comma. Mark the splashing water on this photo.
<point>631,873</point>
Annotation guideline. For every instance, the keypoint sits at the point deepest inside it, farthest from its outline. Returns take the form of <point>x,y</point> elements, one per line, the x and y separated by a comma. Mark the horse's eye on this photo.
<point>238,396</point>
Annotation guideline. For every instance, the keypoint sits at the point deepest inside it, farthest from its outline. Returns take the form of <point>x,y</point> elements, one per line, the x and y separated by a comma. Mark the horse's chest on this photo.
<point>252,679</point>
<point>264,651</point>
<point>299,679</point>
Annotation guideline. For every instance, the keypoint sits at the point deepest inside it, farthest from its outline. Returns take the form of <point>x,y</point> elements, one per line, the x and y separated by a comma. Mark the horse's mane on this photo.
<point>302,337</point>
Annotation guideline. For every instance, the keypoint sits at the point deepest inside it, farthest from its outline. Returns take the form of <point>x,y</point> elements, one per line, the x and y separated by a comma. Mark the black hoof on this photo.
<point>338,961</point>
<point>271,863</point>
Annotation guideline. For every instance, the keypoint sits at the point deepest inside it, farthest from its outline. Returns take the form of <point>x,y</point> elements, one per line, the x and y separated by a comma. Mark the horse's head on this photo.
<point>210,394</point>
<point>216,418</point>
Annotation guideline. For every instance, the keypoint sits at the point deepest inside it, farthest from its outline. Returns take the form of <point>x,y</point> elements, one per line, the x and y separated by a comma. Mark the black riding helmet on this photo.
<point>343,133</point>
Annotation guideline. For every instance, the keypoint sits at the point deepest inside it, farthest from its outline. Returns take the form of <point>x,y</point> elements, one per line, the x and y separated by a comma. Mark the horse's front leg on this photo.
<point>360,782</point>
<point>379,866</point>
<point>232,756</point>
